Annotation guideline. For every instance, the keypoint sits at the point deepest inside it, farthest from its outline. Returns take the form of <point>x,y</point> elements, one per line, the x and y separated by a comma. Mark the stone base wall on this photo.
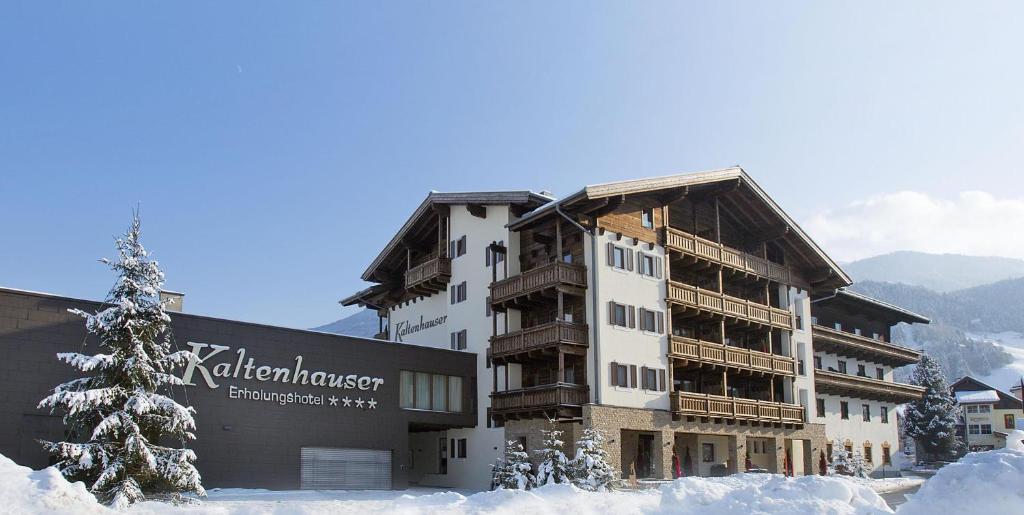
<point>622,427</point>
<point>532,429</point>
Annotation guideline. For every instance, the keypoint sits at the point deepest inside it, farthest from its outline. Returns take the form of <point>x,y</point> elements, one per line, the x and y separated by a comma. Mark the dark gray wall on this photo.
<point>240,443</point>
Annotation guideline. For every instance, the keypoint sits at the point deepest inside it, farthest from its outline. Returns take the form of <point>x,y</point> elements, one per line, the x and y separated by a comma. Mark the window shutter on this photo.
<point>657,267</point>
<point>629,259</point>
<point>455,338</point>
<point>632,376</point>
<point>661,322</point>
<point>614,373</point>
<point>643,379</point>
<point>454,288</point>
<point>661,380</point>
<point>451,249</point>
<point>631,315</point>
<point>611,254</point>
<point>611,312</point>
<point>642,324</point>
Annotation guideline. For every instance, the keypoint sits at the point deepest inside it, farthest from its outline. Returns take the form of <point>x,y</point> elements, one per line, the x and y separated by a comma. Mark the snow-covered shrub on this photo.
<point>590,468</point>
<point>554,466</point>
<point>514,472</point>
<point>119,410</point>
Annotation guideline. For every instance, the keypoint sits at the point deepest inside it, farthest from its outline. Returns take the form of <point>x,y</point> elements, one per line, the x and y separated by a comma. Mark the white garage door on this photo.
<point>326,468</point>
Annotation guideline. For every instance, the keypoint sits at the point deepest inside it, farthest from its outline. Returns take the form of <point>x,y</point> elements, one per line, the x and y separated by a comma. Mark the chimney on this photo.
<point>177,297</point>
<point>1016,391</point>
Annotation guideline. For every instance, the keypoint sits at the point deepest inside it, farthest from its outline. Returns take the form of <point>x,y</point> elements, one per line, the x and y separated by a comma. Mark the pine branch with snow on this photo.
<point>590,468</point>
<point>121,410</point>
<point>554,466</point>
<point>514,472</point>
<point>932,420</point>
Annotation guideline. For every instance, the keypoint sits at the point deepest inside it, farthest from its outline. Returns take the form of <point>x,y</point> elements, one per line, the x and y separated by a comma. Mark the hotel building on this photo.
<point>686,314</point>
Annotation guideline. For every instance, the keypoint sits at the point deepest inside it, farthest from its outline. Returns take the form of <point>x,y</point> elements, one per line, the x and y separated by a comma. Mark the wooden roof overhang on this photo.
<point>843,343</point>
<point>845,385</point>
<point>858,303</point>
<point>742,199</point>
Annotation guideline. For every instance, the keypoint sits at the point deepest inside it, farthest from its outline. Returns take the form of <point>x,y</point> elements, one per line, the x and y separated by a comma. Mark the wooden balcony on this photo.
<point>717,354</point>
<point>735,408</point>
<point>842,343</point>
<point>729,306</point>
<point>846,385</point>
<point>717,253</point>
<point>554,401</point>
<point>539,284</point>
<point>539,341</point>
<point>430,277</point>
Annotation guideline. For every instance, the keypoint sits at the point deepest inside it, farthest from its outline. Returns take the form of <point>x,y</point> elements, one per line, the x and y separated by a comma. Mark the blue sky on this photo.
<point>274,147</point>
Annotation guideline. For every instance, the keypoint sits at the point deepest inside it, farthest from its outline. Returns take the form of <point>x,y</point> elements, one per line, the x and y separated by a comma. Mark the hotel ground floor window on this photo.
<point>886,457</point>
<point>867,454</point>
<point>821,407</point>
<point>844,410</point>
<point>458,448</point>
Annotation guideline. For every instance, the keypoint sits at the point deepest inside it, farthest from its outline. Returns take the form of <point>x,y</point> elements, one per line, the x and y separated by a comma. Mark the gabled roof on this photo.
<point>970,384</point>
<point>613,189</point>
<point>976,396</point>
<point>895,312</point>
<point>528,199</point>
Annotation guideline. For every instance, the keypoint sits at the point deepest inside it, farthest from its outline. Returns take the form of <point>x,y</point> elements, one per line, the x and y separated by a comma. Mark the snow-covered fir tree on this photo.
<point>514,471</point>
<point>121,410</point>
<point>554,466</point>
<point>590,469</point>
<point>858,467</point>
<point>932,420</point>
<point>841,460</point>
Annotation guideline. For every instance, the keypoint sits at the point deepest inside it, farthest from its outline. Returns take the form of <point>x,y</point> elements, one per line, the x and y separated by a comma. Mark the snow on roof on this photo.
<point>967,397</point>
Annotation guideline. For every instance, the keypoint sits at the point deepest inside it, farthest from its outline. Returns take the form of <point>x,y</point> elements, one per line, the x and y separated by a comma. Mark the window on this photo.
<point>866,411</point>
<point>849,450</point>
<point>647,218</point>
<point>1009,421</point>
<point>499,256</point>
<point>885,414</point>
<point>651,321</point>
<point>844,410</point>
<point>842,367</point>
<point>620,375</point>
<point>821,408</point>
<point>979,429</point>
<point>459,339</point>
<point>984,408</point>
<point>458,247</point>
<point>862,371</point>
<point>867,454</point>
<point>458,292</point>
<point>567,257</point>
<point>620,257</point>
<point>621,315</point>
<point>650,379</point>
<point>986,429</point>
<point>886,457</point>
<point>461,448</point>
<point>800,367</point>
<point>799,323</point>
<point>433,392</point>
<point>650,266</point>
<point>971,409</point>
<point>817,362</point>
<point>879,373</point>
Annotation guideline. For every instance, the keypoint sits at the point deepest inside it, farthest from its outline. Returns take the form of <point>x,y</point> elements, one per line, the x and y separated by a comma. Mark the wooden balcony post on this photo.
<point>494,373</point>
<point>771,388</point>
<point>561,366</point>
<point>725,384</point>
<point>561,306</point>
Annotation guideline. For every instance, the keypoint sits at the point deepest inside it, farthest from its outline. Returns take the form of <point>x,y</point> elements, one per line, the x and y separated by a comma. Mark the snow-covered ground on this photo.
<point>988,482</point>
<point>1009,375</point>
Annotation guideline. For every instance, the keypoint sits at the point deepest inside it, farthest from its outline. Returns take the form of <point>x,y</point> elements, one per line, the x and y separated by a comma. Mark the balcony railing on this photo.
<point>432,275</point>
<point>539,399</point>
<point>541,278</point>
<point>716,406</point>
<point>719,354</point>
<point>834,341</point>
<point>728,305</point>
<point>716,252</point>
<point>537,338</point>
<point>838,383</point>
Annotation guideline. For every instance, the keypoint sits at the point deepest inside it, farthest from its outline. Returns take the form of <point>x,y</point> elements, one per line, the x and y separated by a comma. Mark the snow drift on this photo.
<point>981,482</point>
<point>23,490</point>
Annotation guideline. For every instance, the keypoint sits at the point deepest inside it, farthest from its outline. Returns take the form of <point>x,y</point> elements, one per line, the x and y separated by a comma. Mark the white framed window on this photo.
<point>984,408</point>
<point>652,321</point>
<point>652,379</point>
<point>650,266</point>
<point>647,218</point>
<point>459,340</point>
<point>620,258</point>
<point>623,375</point>
<point>621,315</point>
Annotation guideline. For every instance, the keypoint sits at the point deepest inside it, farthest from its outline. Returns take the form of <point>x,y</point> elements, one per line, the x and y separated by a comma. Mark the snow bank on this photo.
<point>24,491</point>
<point>767,494</point>
<point>981,482</point>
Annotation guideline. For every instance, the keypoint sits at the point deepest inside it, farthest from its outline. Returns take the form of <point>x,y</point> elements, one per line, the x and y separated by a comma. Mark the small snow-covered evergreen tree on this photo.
<point>554,466</point>
<point>514,472</point>
<point>932,420</point>
<point>120,412</point>
<point>840,463</point>
<point>858,467</point>
<point>590,469</point>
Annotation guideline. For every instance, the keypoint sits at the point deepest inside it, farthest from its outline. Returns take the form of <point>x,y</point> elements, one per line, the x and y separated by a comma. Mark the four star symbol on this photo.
<point>334,400</point>
<point>372,403</point>
<point>359,402</point>
<point>347,402</point>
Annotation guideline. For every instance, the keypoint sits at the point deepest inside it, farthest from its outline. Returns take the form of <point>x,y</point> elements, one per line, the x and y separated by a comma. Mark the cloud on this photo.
<point>974,223</point>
